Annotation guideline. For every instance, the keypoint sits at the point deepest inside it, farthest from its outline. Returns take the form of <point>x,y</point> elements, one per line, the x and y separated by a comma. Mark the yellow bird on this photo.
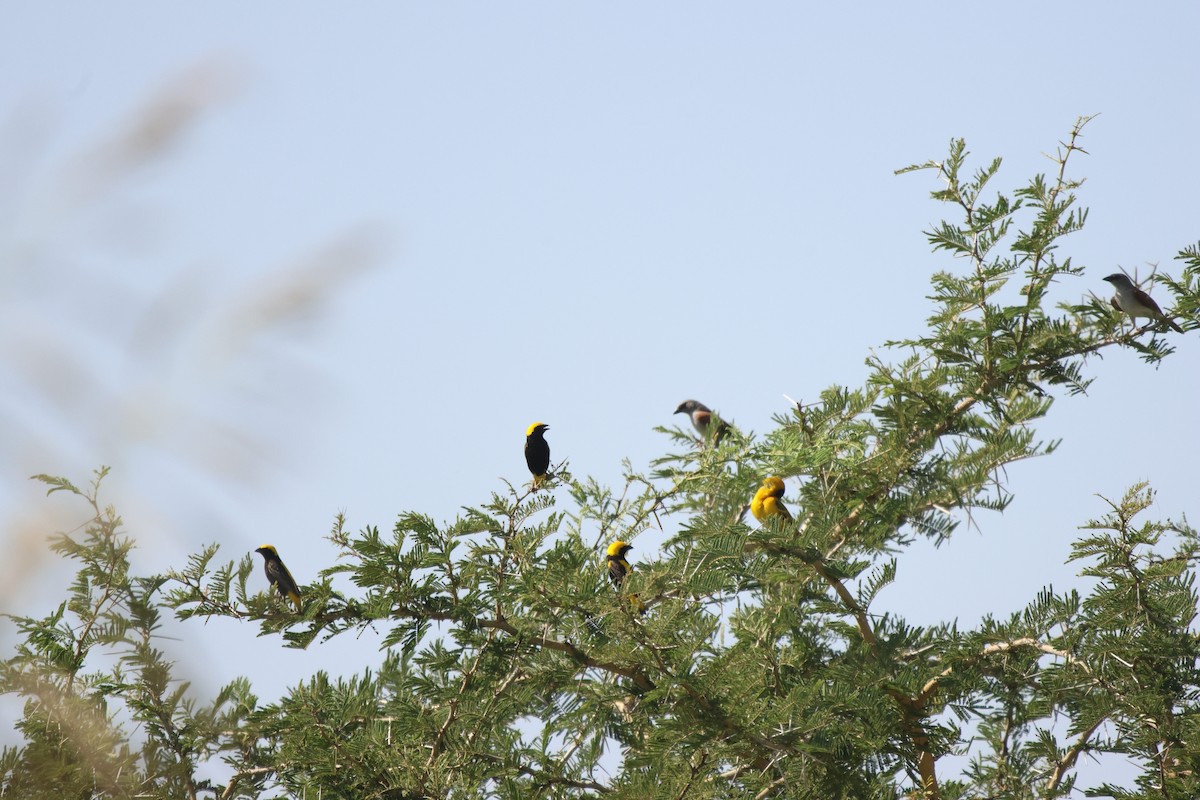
<point>636,604</point>
<point>767,502</point>
<point>278,574</point>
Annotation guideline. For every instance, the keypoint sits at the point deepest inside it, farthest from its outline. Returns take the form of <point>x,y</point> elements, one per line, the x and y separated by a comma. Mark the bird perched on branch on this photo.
<point>1136,303</point>
<point>278,574</point>
<point>618,567</point>
<point>767,502</point>
<point>537,451</point>
<point>704,420</point>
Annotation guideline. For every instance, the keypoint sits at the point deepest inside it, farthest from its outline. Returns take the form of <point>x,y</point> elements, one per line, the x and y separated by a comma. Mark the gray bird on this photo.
<point>1136,303</point>
<point>702,419</point>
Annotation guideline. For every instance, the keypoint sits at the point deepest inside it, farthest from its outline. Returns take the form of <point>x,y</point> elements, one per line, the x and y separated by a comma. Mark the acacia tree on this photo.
<point>754,661</point>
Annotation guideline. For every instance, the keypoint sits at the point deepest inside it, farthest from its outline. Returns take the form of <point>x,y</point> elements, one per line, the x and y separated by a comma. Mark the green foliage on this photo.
<point>743,660</point>
<point>103,715</point>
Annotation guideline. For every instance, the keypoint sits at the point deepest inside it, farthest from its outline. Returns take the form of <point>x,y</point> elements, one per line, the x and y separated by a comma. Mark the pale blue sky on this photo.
<point>579,214</point>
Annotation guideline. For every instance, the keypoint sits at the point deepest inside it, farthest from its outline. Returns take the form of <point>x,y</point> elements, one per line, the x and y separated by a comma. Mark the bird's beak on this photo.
<point>680,410</point>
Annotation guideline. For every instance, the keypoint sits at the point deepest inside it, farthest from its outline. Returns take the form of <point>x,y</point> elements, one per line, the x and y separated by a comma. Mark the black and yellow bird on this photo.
<point>537,451</point>
<point>767,502</point>
<point>278,574</point>
<point>618,567</point>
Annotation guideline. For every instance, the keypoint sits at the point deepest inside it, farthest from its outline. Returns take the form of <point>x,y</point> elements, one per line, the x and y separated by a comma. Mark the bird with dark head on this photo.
<point>768,501</point>
<point>618,567</point>
<point>278,574</point>
<point>704,420</point>
<point>537,452</point>
<point>1133,301</point>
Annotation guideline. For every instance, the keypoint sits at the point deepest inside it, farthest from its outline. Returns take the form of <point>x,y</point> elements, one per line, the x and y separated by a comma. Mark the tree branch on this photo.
<point>1069,758</point>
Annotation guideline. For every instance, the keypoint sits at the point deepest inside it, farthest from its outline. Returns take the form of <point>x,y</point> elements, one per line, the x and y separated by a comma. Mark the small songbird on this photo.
<point>767,502</point>
<point>278,574</point>
<point>703,419</point>
<point>618,567</point>
<point>1136,303</point>
<point>636,605</point>
<point>537,451</point>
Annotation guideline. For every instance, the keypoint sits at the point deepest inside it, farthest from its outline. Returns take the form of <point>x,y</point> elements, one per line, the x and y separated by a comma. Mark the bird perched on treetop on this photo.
<point>767,501</point>
<point>703,419</point>
<point>618,567</point>
<point>278,574</point>
<point>537,451</point>
<point>1136,303</point>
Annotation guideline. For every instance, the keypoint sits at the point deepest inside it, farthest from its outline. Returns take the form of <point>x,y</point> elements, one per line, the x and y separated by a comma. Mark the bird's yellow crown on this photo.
<point>774,485</point>
<point>618,548</point>
<point>535,426</point>
<point>270,547</point>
